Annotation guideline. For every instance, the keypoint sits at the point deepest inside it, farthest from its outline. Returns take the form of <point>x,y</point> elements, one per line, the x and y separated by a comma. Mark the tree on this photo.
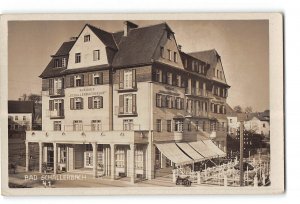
<point>238,109</point>
<point>35,97</point>
<point>248,109</point>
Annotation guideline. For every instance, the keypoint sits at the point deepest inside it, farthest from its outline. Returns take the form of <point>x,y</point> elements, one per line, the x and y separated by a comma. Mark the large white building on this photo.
<point>130,103</point>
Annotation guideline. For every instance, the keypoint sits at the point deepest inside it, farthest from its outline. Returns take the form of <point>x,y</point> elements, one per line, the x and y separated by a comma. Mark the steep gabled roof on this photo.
<point>139,46</point>
<point>50,71</point>
<point>20,107</point>
<point>229,111</point>
<point>65,48</point>
<point>106,37</point>
<point>208,56</point>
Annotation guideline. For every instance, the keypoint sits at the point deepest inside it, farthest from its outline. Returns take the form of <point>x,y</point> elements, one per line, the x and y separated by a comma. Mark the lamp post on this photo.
<point>241,153</point>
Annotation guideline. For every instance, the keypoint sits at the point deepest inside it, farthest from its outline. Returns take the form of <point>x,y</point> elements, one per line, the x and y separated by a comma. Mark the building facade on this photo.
<point>119,103</point>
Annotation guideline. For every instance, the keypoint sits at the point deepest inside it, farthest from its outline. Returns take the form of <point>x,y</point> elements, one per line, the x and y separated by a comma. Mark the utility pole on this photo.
<point>242,154</point>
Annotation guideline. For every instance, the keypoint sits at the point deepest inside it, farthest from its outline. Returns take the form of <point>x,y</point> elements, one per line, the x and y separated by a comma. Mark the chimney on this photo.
<point>179,47</point>
<point>73,38</point>
<point>128,26</point>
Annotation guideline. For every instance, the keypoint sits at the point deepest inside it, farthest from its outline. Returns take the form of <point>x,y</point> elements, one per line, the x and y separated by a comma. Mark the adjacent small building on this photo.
<point>258,123</point>
<point>20,115</point>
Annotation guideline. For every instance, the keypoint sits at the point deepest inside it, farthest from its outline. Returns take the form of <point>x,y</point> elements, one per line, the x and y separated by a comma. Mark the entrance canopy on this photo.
<point>214,147</point>
<point>172,152</point>
<point>185,147</point>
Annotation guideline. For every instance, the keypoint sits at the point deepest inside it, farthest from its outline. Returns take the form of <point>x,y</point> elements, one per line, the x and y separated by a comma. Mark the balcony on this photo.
<point>56,93</point>
<point>196,92</point>
<point>178,136</point>
<point>85,137</point>
<point>56,114</point>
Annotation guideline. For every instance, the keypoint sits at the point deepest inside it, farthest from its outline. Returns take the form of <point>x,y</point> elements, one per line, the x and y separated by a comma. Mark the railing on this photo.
<point>81,137</point>
<point>56,92</point>
<point>56,113</point>
<point>196,92</point>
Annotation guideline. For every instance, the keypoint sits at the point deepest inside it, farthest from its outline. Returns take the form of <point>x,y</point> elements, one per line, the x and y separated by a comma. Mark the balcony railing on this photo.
<point>82,137</point>
<point>196,92</point>
<point>56,92</point>
<point>55,114</point>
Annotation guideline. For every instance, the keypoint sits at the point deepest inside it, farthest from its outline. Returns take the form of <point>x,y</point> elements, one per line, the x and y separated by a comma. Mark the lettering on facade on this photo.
<point>96,93</point>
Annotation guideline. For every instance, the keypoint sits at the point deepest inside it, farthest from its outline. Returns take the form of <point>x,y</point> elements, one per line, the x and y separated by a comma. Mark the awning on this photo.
<point>190,151</point>
<point>214,148</point>
<point>172,152</point>
<point>203,149</point>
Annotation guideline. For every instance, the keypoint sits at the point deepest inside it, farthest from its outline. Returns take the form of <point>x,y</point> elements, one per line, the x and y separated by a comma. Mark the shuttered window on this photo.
<point>121,104</point>
<point>76,103</point>
<point>95,102</point>
<point>121,79</point>
<point>127,104</point>
<point>51,105</point>
<point>51,86</point>
<point>127,79</point>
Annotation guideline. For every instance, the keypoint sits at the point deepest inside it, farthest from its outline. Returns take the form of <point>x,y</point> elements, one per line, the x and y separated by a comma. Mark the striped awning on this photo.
<point>185,147</point>
<point>172,152</point>
<point>214,148</point>
<point>203,149</point>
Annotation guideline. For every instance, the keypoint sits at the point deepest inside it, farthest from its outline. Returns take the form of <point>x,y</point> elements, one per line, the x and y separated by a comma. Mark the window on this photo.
<point>127,79</point>
<point>169,101</point>
<point>178,80</point>
<point>170,55</point>
<point>77,57</point>
<point>217,73</point>
<point>57,125</point>
<point>95,102</point>
<point>127,104</point>
<point>139,158</point>
<point>98,78</point>
<point>128,124</point>
<point>169,125</point>
<point>95,78</point>
<point>64,62</point>
<point>56,86</point>
<point>158,125</point>
<point>158,100</point>
<point>96,125</point>
<point>158,75</point>
<point>178,104</point>
<point>96,55</point>
<point>79,80</point>
<point>57,63</point>
<point>230,120</point>
<point>169,35</point>
<point>87,38</point>
<point>179,125</point>
<point>76,103</point>
<point>264,125</point>
<point>120,157</point>
<point>175,57</point>
<point>221,75</point>
<point>77,125</point>
<point>169,78</point>
<point>56,107</point>
<point>162,50</point>
<point>24,117</point>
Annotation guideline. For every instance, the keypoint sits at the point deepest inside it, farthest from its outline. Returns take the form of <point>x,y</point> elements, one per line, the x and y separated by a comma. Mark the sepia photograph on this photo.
<point>181,103</point>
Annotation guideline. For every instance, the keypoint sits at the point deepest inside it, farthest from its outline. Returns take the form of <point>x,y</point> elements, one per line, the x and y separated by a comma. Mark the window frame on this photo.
<point>77,57</point>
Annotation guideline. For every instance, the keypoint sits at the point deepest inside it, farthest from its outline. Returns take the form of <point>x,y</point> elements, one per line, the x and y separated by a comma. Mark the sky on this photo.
<point>242,45</point>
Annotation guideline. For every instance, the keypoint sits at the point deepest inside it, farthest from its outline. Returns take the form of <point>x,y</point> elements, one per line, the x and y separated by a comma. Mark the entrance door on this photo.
<point>50,158</point>
<point>88,160</point>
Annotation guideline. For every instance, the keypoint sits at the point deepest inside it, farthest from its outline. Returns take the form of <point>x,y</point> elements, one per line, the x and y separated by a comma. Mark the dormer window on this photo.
<point>169,35</point>
<point>57,63</point>
<point>87,38</point>
<point>162,50</point>
<point>64,62</point>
